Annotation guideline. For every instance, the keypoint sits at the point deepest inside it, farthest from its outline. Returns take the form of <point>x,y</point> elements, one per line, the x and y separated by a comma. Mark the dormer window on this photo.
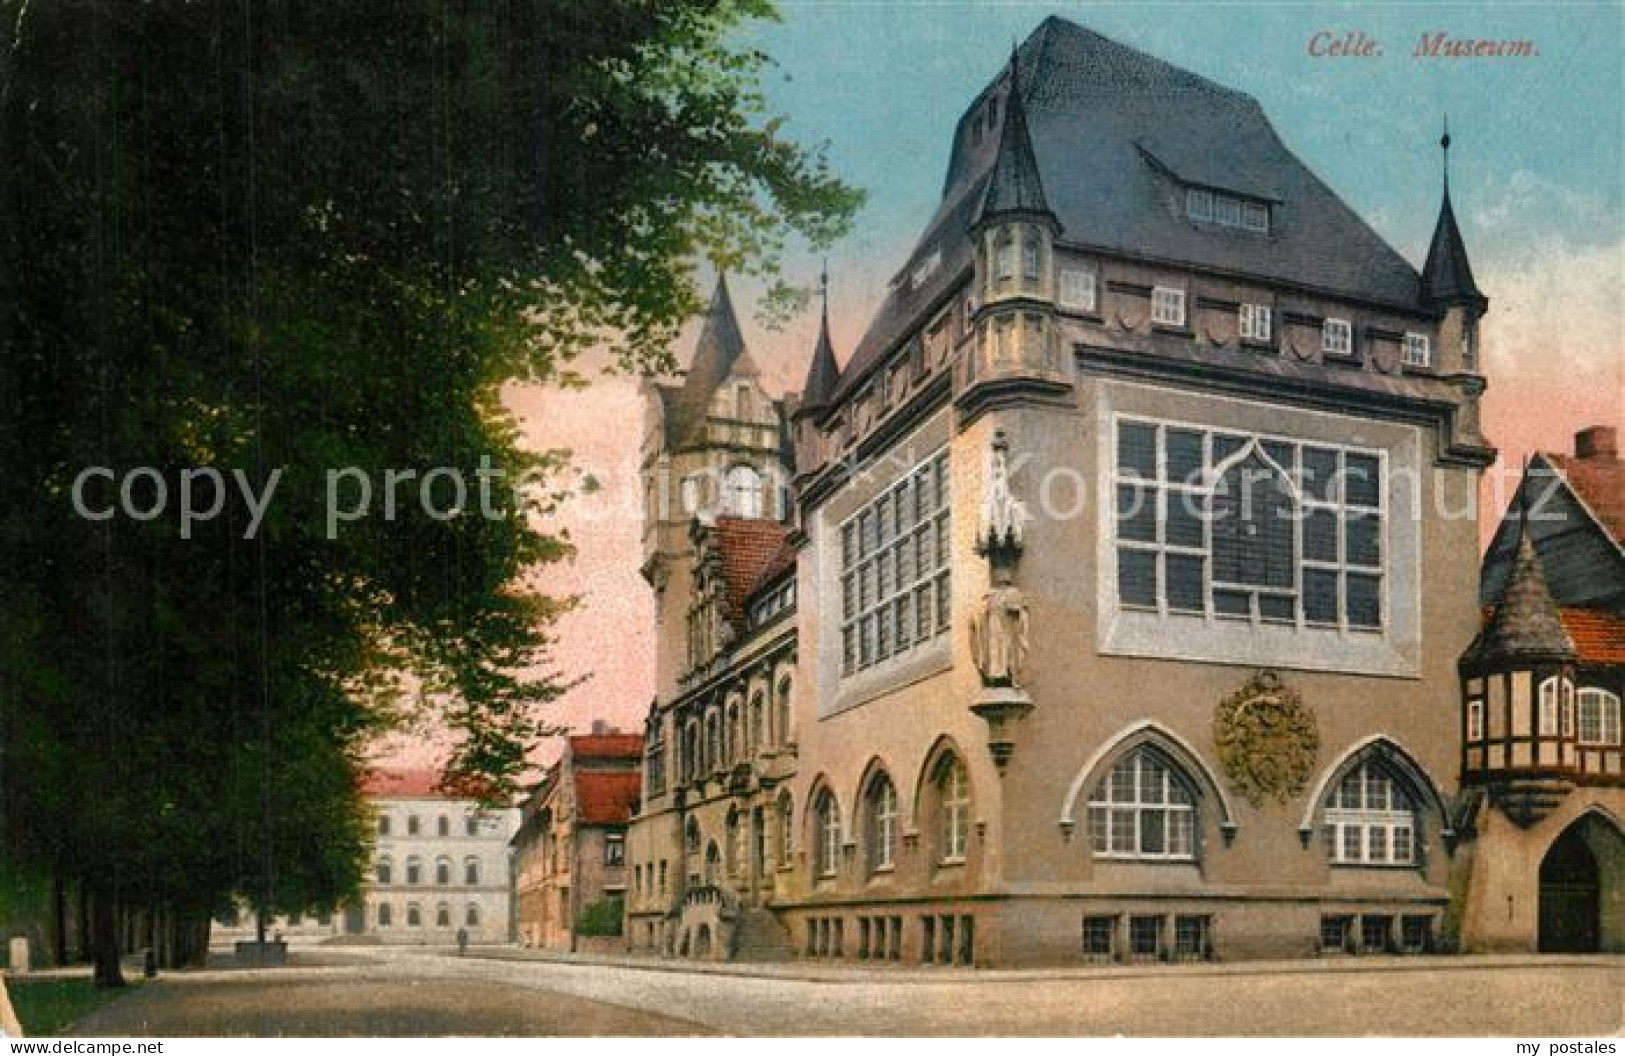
<point>1336,337</point>
<point>925,269</point>
<point>1227,210</point>
<point>1168,306</point>
<point>1418,353</point>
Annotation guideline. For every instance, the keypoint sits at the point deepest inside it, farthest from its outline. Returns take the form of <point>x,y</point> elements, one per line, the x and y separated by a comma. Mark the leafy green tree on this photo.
<point>272,235</point>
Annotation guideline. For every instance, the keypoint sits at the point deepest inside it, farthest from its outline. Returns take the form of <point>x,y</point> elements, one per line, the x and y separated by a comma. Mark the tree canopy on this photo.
<point>298,238</point>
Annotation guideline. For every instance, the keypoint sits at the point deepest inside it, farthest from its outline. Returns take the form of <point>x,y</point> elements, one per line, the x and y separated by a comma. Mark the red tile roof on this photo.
<point>396,783</point>
<point>1599,482</point>
<point>748,547</point>
<point>1598,635</point>
<point>607,746</point>
<point>607,798</point>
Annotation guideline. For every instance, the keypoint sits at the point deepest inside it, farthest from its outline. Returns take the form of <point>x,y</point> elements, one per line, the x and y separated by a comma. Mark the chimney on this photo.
<point>1600,442</point>
<point>601,727</point>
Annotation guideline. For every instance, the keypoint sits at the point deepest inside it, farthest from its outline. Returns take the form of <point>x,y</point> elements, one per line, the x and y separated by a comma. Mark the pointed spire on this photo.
<point>719,352</point>
<point>823,372</point>
<point>1447,277</point>
<point>1015,185</point>
<point>1525,626</point>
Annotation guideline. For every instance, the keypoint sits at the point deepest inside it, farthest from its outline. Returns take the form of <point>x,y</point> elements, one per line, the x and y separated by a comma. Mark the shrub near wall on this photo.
<point>601,919</point>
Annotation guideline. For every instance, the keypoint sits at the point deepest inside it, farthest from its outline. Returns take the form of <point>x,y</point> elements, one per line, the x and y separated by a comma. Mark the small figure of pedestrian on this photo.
<point>462,941</point>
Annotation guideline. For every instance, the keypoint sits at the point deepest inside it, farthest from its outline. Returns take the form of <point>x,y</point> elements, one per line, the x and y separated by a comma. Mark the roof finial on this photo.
<point>1444,145</point>
<point>823,286</point>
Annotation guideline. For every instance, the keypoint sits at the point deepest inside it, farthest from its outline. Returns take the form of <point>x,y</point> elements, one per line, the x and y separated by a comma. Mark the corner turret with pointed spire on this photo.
<point>1448,285</point>
<point>823,374</point>
<point>1014,233</point>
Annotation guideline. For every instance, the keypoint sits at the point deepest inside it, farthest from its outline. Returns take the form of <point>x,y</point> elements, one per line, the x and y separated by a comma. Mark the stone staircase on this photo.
<point>759,935</point>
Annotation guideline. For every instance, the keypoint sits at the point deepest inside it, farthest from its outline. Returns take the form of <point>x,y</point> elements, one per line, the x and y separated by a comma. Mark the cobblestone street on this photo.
<point>410,992</point>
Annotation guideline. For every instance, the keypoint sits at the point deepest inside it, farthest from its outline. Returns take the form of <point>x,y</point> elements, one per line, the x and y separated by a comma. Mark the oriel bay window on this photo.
<point>1233,525</point>
<point>894,569</point>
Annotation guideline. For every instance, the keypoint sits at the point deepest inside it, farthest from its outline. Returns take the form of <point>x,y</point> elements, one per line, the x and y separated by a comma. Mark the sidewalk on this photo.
<point>856,971</point>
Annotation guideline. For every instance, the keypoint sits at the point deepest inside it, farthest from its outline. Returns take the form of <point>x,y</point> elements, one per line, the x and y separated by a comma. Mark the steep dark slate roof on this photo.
<point>719,352</point>
<point>822,373</point>
<point>1015,185</point>
<point>1577,510</point>
<point>1447,277</point>
<point>1526,625</point>
<point>1109,125</point>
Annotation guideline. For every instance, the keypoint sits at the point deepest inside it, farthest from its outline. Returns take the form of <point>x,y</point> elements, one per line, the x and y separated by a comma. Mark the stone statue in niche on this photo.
<point>998,636</point>
<point>999,627</point>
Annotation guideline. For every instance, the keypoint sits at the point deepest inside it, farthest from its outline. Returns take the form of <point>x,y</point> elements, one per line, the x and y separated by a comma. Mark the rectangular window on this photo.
<point>1168,306</point>
<point>1199,204</point>
<point>1191,938</point>
<point>1416,934</point>
<point>1417,351</point>
<point>1475,719</point>
<point>1226,210</point>
<point>614,849</point>
<point>1334,933</point>
<point>1336,337</point>
<point>1248,527</point>
<point>1376,933</point>
<point>1099,938</point>
<point>1256,322</point>
<point>894,569</point>
<point>1255,216</point>
<point>1077,289</point>
<point>1144,938</point>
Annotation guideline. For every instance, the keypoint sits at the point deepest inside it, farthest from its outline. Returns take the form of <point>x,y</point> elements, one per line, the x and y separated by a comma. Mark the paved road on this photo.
<point>406,992</point>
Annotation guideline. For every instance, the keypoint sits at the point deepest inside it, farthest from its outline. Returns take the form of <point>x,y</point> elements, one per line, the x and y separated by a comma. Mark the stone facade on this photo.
<point>1096,627</point>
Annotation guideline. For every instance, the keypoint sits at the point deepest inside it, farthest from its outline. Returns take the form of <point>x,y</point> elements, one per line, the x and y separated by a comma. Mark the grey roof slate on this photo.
<point>1107,124</point>
<point>1014,185</point>
<point>822,373</point>
<point>719,353</point>
<point>1447,277</point>
<point>1525,625</point>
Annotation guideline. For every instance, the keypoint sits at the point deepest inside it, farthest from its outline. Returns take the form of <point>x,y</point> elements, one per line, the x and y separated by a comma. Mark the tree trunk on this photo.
<point>59,919</point>
<point>105,940</point>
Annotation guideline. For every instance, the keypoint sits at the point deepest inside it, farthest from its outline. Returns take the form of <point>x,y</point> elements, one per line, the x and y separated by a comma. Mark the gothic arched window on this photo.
<point>952,787</point>
<point>742,492</point>
<point>880,823</point>
<point>1370,819</point>
<point>827,851</point>
<point>1143,808</point>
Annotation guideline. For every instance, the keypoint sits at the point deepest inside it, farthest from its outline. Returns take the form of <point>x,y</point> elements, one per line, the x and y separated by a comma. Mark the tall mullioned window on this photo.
<point>894,569</point>
<point>1238,526</point>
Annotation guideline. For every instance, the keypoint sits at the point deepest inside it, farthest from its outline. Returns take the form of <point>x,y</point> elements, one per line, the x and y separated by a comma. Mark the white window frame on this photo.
<point>1199,204</point>
<point>1256,322</point>
<point>1162,491</point>
<point>743,493</point>
<point>884,824</point>
<point>1418,350</point>
<point>1075,289</point>
<point>953,794</point>
<point>1475,719</point>
<point>1168,306</point>
<point>827,815</point>
<point>1603,727</point>
<point>1337,337</point>
<point>1255,216</point>
<point>1373,815</point>
<point>894,573</point>
<point>1110,814</point>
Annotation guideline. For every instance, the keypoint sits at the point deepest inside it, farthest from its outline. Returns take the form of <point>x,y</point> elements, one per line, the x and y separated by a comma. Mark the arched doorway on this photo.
<point>1579,882</point>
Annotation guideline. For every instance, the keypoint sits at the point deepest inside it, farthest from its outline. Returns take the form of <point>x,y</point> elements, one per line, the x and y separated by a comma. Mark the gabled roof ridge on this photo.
<point>1555,461</point>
